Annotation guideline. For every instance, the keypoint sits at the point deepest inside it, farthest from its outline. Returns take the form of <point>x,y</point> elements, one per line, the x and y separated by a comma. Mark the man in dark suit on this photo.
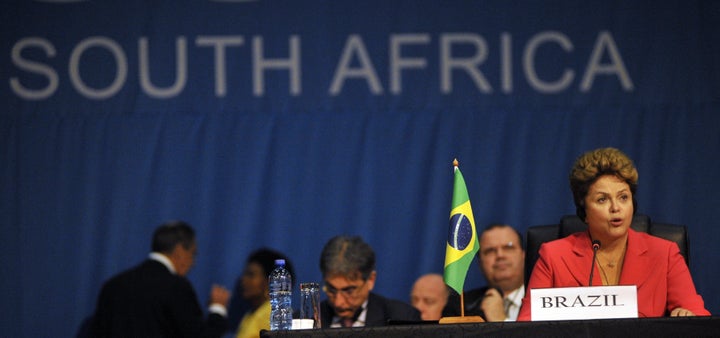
<point>348,268</point>
<point>154,299</point>
<point>502,262</point>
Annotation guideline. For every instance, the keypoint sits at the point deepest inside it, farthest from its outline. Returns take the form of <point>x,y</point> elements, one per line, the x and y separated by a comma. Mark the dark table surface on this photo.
<point>634,327</point>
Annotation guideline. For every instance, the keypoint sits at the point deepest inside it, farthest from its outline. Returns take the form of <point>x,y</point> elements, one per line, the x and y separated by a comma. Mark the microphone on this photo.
<point>595,247</point>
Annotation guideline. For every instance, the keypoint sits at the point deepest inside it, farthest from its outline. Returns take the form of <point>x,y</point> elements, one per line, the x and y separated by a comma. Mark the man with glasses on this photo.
<point>348,268</point>
<point>502,262</point>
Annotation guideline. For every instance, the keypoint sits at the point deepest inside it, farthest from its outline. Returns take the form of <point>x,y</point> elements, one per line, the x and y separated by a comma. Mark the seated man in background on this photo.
<point>502,262</point>
<point>155,299</point>
<point>348,269</point>
<point>429,295</point>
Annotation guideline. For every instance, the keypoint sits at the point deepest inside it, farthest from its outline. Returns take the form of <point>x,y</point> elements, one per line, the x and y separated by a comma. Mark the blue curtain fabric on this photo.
<point>282,124</point>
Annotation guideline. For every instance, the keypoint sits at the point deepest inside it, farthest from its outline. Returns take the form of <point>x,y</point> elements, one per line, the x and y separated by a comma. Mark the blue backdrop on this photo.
<point>284,123</point>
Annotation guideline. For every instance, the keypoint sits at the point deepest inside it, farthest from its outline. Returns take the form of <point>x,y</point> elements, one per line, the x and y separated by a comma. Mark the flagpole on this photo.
<point>459,288</point>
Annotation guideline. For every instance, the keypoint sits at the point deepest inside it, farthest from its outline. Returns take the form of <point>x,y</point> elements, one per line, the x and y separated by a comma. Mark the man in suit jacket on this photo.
<point>348,269</point>
<point>155,299</point>
<point>502,262</point>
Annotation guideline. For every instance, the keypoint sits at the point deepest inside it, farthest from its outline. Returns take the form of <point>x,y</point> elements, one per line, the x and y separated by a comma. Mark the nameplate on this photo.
<point>302,324</point>
<point>590,302</point>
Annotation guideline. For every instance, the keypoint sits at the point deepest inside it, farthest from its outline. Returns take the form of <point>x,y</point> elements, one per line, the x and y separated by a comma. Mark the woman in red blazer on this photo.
<point>604,182</point>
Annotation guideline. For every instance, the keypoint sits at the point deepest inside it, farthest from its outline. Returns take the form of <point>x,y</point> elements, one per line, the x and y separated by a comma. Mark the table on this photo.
<point>633,327</point>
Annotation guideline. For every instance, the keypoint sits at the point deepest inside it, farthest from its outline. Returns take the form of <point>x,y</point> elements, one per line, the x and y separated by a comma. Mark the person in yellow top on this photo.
<point>255,290</point>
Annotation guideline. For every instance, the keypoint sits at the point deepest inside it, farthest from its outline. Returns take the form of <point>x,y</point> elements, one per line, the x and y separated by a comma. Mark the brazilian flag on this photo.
<point>462,243</point>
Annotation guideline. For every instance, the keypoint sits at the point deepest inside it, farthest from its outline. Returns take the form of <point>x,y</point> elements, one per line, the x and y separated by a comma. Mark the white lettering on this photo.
<point>354,46</point>
<point>506,62</point>
<point>260,64</point>
<point>529,62</point>
<point>34,67</point>
<point>397,62</point>
<point>461,54</point>
<point>180,70</point>
<point>220,43</point>
<point>470,64</point>
<point>605,42</point>
<point>120,70</point>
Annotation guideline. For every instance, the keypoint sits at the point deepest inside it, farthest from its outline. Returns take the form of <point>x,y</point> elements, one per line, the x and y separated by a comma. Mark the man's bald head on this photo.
<point>429,295</point>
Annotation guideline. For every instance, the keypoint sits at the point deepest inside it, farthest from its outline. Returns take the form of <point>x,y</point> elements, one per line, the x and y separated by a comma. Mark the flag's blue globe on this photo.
<point>460,232</point>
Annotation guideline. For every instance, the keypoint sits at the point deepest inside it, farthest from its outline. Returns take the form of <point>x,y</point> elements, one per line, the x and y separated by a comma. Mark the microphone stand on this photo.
<point>595,247</point>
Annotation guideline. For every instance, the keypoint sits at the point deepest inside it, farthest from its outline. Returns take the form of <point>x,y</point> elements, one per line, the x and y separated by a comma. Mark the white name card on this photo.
<point>301,324</point>
<point>590,302</point>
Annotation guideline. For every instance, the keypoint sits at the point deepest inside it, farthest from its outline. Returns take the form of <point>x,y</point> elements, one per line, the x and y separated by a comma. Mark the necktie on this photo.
<point>348,322</point>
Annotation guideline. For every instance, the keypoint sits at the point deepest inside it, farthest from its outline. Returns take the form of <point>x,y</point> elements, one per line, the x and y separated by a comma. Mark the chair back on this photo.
<point>570,224</point>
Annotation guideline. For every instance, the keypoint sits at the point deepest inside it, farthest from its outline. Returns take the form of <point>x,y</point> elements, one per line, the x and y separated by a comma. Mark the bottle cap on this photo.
<point>280,262</point>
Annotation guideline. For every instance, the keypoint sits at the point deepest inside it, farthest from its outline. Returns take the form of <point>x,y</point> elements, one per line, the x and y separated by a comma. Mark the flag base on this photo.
<point>460,320</point>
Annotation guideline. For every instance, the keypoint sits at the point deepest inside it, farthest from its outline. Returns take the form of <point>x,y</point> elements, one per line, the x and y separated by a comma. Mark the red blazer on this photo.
<point>652,263</point>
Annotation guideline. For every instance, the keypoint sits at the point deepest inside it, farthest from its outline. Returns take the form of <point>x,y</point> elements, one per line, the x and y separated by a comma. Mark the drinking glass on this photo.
<point>310,305</point>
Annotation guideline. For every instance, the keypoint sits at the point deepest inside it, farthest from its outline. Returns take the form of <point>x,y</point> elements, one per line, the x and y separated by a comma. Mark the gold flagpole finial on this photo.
<point>455,163</point>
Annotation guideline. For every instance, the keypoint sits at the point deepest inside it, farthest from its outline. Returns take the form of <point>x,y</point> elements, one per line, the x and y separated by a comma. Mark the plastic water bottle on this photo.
<point>280,297</point>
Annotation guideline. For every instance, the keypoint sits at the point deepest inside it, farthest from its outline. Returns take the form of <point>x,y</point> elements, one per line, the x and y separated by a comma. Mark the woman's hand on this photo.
<point>681,312</point>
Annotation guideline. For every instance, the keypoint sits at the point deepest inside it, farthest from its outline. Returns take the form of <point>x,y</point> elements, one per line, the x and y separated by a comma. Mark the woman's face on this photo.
<point>609,208</point>
<point>254,282</point>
